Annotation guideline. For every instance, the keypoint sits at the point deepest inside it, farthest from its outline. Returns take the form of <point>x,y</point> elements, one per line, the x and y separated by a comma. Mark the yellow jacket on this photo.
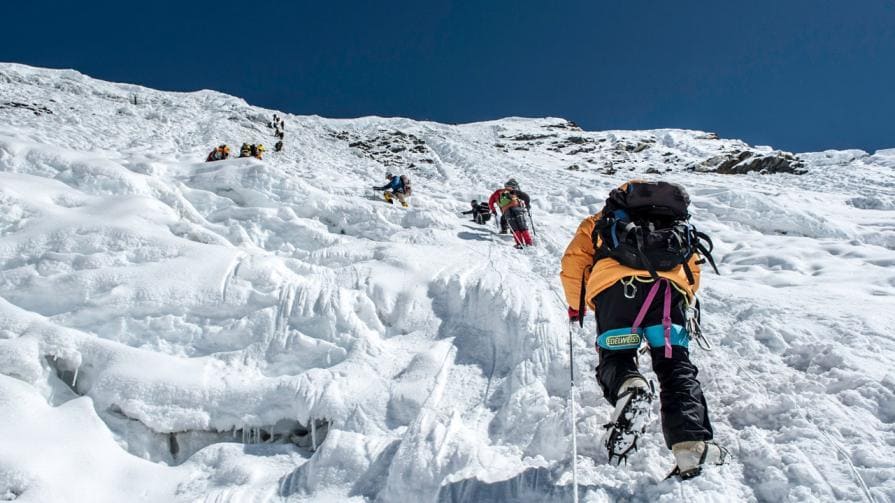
<point>579,257</point>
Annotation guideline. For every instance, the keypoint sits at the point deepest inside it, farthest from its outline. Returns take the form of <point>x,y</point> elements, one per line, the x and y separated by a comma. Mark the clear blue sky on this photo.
<point>796,74</point>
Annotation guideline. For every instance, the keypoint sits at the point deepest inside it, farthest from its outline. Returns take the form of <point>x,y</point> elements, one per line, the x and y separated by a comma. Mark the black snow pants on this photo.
<point>516,218</point>
<point>480,217</point>
<point>683,407</point>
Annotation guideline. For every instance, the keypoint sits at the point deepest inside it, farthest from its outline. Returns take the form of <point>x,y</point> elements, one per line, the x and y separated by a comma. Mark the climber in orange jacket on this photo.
<point>617,264</point>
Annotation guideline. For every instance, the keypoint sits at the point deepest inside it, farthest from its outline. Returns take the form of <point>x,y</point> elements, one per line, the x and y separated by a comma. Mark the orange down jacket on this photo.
<point>579,257</point>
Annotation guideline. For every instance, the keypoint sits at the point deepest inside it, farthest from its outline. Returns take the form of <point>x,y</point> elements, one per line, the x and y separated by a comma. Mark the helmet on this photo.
<point>474,202</point>
<point>388,174</point>
<point>512,183</point>
<point>260,147</point>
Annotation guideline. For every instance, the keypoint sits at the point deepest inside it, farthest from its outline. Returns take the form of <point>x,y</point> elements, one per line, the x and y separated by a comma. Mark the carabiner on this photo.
<point>630,287</point>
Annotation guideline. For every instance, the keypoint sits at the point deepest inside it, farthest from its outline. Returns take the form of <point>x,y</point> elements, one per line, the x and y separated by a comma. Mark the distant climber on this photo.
<point>480,212</point>
<point>220,153</point>
<point>278,146</point>
<point>398,187</point>
<point>621,262</point>
<point>513,205</point>
<point>245,150</point>
<point>258,151</point>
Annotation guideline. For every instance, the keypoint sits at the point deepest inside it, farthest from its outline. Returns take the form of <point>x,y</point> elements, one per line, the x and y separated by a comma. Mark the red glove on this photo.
<point>574,315</point>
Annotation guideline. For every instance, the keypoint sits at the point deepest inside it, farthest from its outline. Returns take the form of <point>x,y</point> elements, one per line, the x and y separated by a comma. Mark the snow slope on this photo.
<point>174,330</point>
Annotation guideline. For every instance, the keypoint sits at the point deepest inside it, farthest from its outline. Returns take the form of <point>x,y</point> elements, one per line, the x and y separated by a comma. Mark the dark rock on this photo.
<point>361,145</point>
<point>531,137</point>
<point>568,125</point>
<point>746,162</point>
<point>34,107</point>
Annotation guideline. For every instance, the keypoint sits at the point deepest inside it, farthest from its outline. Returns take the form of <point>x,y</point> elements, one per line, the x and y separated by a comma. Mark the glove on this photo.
<point>574,315</point>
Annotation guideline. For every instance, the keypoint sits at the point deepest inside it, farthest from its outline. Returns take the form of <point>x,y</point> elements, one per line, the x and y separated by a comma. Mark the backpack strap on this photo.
<point>666,312</point>
<point>705,251</point>
<point>638,235</point>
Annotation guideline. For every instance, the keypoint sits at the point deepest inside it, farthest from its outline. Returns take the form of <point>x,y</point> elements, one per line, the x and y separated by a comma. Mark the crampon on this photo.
<point>632,415</point>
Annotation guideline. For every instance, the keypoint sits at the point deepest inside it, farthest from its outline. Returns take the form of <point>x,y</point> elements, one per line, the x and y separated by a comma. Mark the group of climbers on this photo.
<point>279,131</point>
<point>515,208</point>
<point>222,152</point>
<point>253,150</point>
<point>219,153</point>
<point>278,125</point>
<point>515,212</point>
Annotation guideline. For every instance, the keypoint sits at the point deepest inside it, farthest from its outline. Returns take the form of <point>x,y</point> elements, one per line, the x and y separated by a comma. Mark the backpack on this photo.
<point>506,198</point>
<point>646,226</point>
<point>405,181</point>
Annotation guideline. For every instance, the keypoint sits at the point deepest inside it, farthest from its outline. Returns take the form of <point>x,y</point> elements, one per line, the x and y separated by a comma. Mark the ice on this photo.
<point>174,330</point>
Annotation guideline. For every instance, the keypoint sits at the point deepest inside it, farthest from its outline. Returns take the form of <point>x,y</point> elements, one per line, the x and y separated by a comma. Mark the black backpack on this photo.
<point>646,226</point>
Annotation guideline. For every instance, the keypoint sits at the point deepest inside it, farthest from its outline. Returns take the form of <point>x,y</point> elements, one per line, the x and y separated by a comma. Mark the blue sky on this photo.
<point>795,74</point>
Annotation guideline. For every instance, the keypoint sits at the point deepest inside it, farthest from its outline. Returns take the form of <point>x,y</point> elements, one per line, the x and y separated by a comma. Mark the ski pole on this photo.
<point>574,427</point>
<point>532,222</point>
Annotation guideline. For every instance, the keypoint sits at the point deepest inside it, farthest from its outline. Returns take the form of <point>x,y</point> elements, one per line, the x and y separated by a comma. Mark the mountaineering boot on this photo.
<point>388,197</point>
<point>691,455</point>
<point>629,419</point>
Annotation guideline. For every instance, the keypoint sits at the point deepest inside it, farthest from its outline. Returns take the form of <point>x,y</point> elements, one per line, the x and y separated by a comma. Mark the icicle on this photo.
<point>74,380</point>
<point>313,435</point>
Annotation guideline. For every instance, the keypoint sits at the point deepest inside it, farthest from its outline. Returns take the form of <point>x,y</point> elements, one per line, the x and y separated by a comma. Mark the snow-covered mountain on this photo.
<point>175,330</point>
